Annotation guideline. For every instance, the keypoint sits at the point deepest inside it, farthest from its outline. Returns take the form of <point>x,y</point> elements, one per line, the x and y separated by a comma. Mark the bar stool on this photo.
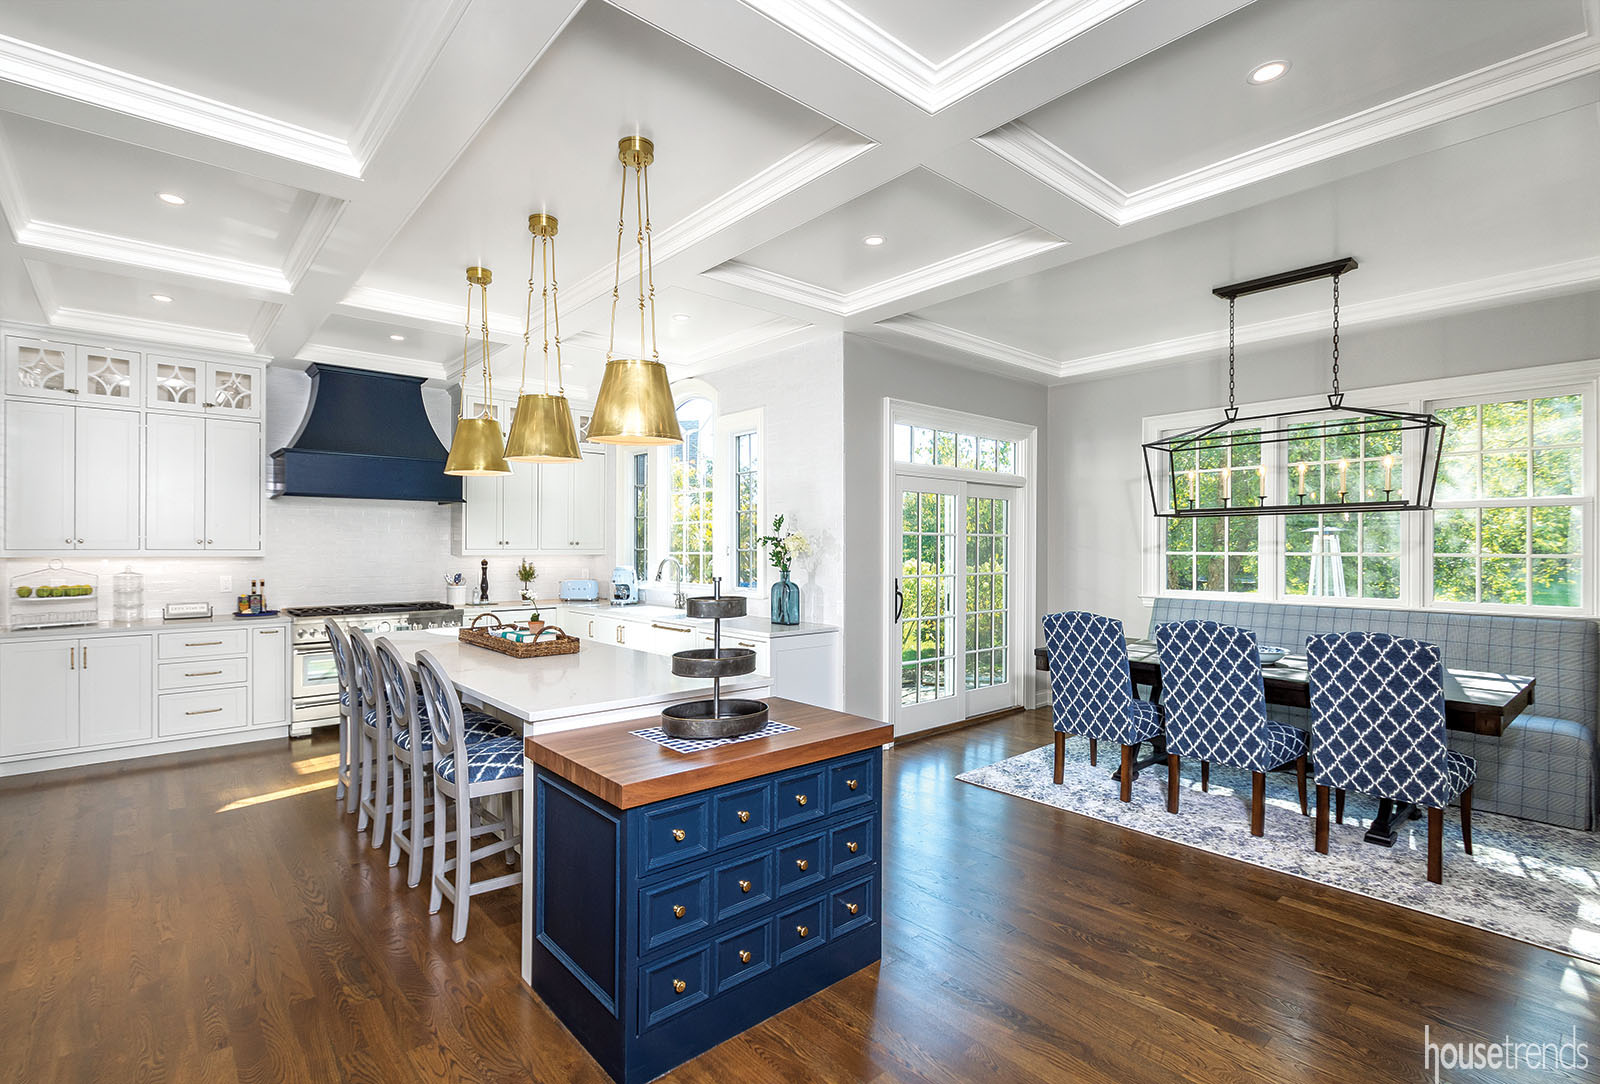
<point>463,773</point>
<point>372,739</point>
<point>411,748</point>
<point>344,789</point>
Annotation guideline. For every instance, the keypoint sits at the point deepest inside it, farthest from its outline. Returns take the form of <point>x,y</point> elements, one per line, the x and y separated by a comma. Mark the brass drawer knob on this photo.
<point>851,783</point>
<point>679,910</point>
<point>744,956</point>
<point>801,864</point>
<point>679,986</point>
<point>679,834</point>
<point>803,931</point>
<point>852,847</point>
<point>852,907</point>
<point>744,816</point>
<point>801,798</point>
<point>744,886</point>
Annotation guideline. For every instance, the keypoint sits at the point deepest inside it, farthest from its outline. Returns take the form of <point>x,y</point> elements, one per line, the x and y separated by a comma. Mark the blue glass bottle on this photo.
<point>785,601</point>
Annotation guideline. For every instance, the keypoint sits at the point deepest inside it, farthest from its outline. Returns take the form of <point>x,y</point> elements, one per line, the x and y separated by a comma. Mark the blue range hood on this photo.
<point>365,435</point>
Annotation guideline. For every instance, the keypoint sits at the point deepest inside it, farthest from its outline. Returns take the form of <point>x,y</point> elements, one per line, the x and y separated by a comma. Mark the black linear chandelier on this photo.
<point>1336,458</point>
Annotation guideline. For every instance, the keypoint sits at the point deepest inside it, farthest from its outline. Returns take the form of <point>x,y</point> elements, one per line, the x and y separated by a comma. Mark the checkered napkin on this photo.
<point>686,745</point>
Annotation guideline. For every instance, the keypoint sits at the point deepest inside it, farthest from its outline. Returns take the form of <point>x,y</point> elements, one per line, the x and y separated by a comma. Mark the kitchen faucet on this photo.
<point>678,600</point>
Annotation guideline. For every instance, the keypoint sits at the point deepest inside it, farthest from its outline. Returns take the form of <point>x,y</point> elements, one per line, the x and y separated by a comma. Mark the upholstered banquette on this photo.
<point>1545,766</point>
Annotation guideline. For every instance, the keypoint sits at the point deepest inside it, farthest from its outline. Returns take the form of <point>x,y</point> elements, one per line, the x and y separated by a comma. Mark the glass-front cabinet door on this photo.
<point>107,377</point>
<point>233,389</point>
<point>173,383</point>
<point>46,369</point>
<point>212,388</point>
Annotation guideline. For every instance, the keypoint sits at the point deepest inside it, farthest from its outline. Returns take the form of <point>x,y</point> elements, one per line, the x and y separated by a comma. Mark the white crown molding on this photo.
<point>863,45</point>
<point>1537,70</point>
<point>420,45</point>
<point>368,299</point>
<point>69,241</point>
<point>314,232</point>
<point>44,287</point>
<point>154,331</point>
<point>82,80</point>
<point>267,314</point>
<point>919,327</point>
<point>794,171</point>
<point>741,341</point>
<point>1497,290</point>
<point>372,362</point>
<point>931,276</point>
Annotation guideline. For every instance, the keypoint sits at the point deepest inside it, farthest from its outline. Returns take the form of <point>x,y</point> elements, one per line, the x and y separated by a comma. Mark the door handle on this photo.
<point>899,602</point>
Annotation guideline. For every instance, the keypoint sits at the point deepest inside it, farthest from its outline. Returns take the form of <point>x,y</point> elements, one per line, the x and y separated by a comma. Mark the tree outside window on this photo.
<point>1216,553</point>
<point>690,488</point>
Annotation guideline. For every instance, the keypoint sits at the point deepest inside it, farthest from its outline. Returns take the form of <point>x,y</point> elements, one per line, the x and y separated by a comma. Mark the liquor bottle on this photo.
<point>261,598</point>
<point>255,598</point>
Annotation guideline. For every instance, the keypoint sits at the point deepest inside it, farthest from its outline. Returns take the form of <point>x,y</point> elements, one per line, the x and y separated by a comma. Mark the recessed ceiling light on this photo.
<point>163,298</point>
<point>1266,73</point>
<point>397,338</point>
<point>873,239</point>
<point>172,198</point>
<point>680,316</point>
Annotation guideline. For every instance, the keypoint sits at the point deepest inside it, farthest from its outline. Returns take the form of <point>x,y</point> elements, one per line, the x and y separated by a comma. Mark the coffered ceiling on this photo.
<point>1057,184</point>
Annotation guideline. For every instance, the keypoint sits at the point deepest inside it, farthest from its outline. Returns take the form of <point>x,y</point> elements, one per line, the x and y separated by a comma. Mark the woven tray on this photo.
<point>561,645</point>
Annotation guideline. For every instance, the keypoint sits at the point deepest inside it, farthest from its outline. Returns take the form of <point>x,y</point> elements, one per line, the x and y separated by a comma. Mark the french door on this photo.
<point>951,572</point>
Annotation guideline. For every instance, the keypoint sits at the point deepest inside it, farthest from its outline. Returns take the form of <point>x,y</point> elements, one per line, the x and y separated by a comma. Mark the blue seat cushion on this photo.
<point>344,697</point>
<point>487,761</point>
<point>480,727</point>
<point>1284,743</point>
<point>1144,721</point>
<point>1462,771</point>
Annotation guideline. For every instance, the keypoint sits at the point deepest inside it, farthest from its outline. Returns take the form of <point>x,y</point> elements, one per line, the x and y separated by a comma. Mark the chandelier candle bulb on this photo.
<point>1388,474</point>
<point>1227,485</point>
<point>1261,485</point>
<point>1344,474</point>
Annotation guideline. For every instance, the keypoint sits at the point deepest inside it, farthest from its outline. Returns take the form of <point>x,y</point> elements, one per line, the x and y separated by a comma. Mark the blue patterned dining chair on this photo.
<point>1377,725</point>
<point>1091,692</point>
<point>1216,709</point>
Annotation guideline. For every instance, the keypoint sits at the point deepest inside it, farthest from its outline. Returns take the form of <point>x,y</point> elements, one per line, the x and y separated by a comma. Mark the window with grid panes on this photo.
<point>747,482</point>
<point>689,537</point>
<point>988,587</point>
<point>1216,553</point>
<point>1343,554</point>
<point>641,515</point>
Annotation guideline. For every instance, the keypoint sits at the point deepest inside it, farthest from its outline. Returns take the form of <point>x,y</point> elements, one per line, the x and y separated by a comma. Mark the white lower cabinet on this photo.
<point>67,701</point>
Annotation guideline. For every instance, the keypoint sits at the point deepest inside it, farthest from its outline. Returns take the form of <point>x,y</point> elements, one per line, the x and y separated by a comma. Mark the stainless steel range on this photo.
<point>316,678</point>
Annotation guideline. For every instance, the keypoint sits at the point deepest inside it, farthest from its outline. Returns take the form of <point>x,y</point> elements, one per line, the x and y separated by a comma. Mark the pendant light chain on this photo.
<point>650,262</point>
<point>616,282</point>
<point>466,345</point>
<point>527,320</point>
<point>1336,397</point>
<point>488,381</point>
<point>555,308</point>
<point>544,305</point>
<point>1233,411</point>
<point>638,240</point>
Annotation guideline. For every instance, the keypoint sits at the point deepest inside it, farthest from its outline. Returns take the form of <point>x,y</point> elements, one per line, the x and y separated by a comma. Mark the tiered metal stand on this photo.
<point>717,717</point>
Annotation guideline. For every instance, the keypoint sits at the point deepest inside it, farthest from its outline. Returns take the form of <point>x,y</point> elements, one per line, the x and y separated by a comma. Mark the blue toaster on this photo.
<point>580,591</point>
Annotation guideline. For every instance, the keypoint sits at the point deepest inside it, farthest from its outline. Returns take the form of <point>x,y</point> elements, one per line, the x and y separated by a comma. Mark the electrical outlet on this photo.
<point>225,584</point>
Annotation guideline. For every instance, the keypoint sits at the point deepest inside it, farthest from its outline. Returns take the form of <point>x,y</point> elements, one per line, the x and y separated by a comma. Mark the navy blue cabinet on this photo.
<point>662,930</point>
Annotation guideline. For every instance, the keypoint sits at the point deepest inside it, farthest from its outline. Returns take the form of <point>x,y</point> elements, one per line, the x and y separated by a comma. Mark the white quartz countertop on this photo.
<point>113,628</point>
<point>547,693</point>
<point>733,626</point>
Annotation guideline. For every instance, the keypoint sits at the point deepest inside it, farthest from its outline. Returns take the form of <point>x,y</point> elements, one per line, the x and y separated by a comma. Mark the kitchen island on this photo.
<point>677,899</point>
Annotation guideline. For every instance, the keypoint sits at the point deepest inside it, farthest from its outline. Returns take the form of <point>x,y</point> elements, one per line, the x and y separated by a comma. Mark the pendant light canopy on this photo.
<point>635,401</point>
<point>542,431</point>
<point>477,448</point>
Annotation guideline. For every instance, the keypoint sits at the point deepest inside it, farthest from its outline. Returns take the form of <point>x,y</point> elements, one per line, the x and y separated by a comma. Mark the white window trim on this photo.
<point>1416,544</point>
<point>725,531</point>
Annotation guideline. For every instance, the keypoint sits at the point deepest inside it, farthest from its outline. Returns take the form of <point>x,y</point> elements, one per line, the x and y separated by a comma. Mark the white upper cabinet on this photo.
<point>175,505</point>
<point>214,388</point>
<point>72,478</point>
<point>572,504</point>
<point>106,490</point>
<point>519,508</point>
<point>233,485</point>
<point>75,373</point>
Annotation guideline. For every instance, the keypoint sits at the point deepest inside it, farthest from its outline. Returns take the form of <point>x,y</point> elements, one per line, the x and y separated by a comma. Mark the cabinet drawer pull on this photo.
<point>668,628</point>
<point>679,986</point>
<point>803,931</point>
<point>801,864</point>
<point>679,910</point>
<point>851,783</point>
<point>744,643</point>
<point>853,908</point>
<point>744,955</point>
<point>72,658</point>
<point>744,816</point>
<point>801,799</point>
<point>679,834</point>
<point>204,711</point>
<point>202,673</point>
<point>86,656</point>
<point>744,886</point>
<point>274,632</point>
<point>852,847</point>
<point>205,643</point>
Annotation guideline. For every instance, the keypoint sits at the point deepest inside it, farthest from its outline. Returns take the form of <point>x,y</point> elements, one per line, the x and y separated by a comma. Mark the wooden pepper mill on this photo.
<point>483,584</point>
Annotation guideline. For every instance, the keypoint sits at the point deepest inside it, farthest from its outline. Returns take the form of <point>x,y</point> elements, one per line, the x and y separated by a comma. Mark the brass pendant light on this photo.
<point>635,401</point>
<point>542,431</point>
<point>477,448</point>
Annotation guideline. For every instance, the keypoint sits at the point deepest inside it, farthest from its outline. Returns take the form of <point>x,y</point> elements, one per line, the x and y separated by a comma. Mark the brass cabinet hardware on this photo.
<point>679,986</point>
<point>205,711</point>
<point>802,864</point>
<point>746,643</point>
<point>851,783</point>
<point>744,886</point>
<point>853,847</point>
<point>852,907</point>
<point>800,798</point>
<point>744,816</point>
<point>803,931</point>
<point>72,658</point>
<point>619,634</point>
<point>744,955</point>
<point>205,643</point>
<point>679,910</point>
<point>86,656</point>
<point>202,673</point>
<point>270,632</point>
<point>668,628</point>
<point>679,834</point>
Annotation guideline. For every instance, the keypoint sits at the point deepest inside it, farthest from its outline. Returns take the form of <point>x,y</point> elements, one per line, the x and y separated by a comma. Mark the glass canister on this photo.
<point>127,596</point>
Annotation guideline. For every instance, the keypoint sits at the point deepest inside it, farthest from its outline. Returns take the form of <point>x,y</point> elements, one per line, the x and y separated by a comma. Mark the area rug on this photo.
<point>1533,882</point>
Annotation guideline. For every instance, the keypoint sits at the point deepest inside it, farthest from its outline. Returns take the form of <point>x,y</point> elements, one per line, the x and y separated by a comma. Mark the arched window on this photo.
<point>690,487</point>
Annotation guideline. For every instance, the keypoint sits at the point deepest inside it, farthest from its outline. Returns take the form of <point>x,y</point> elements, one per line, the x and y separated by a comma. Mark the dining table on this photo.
<point>1475,702</point>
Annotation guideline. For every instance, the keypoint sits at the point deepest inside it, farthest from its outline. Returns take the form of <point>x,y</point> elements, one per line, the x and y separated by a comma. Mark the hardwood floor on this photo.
<point>196,919</point>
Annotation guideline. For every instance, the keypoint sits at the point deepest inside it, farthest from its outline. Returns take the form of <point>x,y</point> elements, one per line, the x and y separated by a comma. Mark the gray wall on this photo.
<point>874,372</point>
<point>1097,497</point>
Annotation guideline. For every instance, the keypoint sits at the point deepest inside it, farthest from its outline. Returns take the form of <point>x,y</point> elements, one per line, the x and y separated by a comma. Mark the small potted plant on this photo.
<point>783,547</point>
<point>526,573</point>
<point>535,623</point>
